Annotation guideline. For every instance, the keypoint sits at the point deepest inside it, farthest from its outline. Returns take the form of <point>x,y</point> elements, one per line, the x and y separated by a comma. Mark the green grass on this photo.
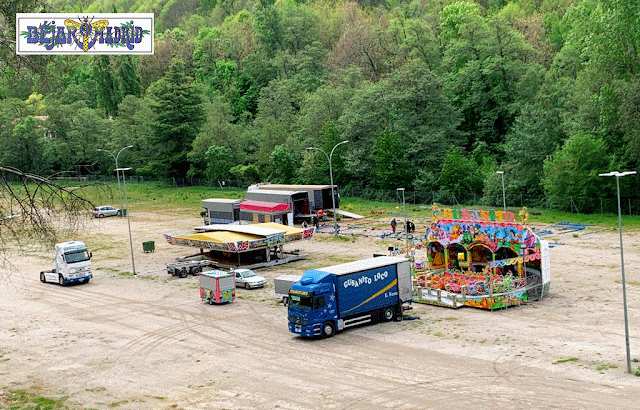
<point>570,359</point>
<point>21,399</point>
<point>605,366</point>
<point>155,196</point>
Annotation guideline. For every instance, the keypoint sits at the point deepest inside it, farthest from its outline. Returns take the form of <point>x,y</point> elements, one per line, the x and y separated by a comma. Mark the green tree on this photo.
<point>177,107</point>
<point>132,126</point>
<point>391,166</point>
<point>282,164</point>
<point>107,89</point>
<point>571,173</point>
<point>485,59</point>
<point>459,175</point>
<point>411,104</point>
<point>219,161</point>
<point>248,173</point>
<point>218,130</point>
<point>128,76</point>
<point>268,26</point>
<point>23,148</point>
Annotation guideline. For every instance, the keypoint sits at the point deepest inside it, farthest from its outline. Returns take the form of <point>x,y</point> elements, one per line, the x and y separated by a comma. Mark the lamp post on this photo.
<point>504,198</point>
<point>333,198</point>
<point>115,157</point>
<point>624,286</point>
<point>406,224</point>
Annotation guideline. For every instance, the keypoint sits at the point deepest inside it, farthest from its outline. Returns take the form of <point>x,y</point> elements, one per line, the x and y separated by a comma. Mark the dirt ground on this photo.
<point>149,342</point>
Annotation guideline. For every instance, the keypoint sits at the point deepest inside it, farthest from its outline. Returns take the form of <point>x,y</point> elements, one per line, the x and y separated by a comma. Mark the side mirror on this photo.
<point>90,255</point>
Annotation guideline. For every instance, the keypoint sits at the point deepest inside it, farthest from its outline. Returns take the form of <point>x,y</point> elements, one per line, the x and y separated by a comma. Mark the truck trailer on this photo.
<point>282,285</point>
<point>336,297</point>
<point>298,200</point>
<point>320,196</point>
<point>221,210</point>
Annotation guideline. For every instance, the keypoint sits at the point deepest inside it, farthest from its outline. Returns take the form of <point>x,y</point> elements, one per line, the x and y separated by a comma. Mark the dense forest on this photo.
<point>432,95</point>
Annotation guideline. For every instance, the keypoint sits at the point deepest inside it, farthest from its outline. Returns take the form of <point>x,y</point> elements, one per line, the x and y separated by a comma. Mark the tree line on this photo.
<point>434,96</point>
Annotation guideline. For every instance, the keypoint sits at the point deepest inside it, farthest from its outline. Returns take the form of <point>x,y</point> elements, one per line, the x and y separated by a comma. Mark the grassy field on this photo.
<point>158,197</point>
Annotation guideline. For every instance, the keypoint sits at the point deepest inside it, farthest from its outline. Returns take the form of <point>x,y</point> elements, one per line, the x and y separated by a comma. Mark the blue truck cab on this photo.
<point>336,297</point>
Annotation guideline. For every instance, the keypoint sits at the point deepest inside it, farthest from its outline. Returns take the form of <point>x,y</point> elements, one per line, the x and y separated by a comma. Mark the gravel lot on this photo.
<point>148,342</point>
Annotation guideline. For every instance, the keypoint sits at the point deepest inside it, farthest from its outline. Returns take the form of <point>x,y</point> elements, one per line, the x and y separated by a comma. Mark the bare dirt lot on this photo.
<point>149,342</point>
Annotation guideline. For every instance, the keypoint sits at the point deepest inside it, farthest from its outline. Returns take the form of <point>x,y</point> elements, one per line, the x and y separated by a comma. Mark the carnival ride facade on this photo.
<point>482,259</point>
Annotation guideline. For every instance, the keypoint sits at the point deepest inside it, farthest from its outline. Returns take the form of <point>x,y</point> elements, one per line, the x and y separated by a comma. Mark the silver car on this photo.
<point>246,278</point>
<point>105,210</point>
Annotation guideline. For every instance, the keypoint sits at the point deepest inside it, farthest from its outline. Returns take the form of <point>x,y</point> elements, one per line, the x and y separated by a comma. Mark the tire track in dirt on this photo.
<point>365,370</point>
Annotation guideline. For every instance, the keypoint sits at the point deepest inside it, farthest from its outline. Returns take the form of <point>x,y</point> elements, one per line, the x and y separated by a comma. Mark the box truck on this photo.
<point>217,286</point>
<point>329,299</point>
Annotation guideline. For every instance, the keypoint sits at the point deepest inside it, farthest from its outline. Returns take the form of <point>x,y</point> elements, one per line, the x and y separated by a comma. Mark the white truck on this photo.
<point>72,264</point>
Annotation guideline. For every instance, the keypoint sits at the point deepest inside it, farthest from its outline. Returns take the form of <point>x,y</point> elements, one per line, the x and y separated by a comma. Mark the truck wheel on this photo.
<point>183,273</point>
<point>42,278</point>
<point>61,280</point>
<point>328,329</point>
<point>388,314</point>
<point>196,270</point>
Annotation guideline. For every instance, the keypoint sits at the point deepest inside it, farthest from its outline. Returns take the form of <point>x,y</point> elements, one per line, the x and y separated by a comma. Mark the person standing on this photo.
<point>393,225</point>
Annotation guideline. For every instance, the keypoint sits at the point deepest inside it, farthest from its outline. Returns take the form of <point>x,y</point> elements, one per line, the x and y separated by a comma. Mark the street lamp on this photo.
<point>115,157</point>
<point>504,198</point>
<point>406,224</point>
<point>624,286</point>
<point>333,198</point>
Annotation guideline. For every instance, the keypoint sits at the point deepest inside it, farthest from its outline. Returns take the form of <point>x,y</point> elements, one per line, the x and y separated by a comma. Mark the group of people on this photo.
<point>409,227</point>
<point>314,220</point>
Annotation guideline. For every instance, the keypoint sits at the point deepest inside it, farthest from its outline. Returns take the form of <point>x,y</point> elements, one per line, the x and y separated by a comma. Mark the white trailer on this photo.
<point>282,284</point>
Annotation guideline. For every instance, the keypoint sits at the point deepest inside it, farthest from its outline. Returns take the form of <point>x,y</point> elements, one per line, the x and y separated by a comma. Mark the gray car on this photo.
<point>105,210</point>
<point>246,278</point>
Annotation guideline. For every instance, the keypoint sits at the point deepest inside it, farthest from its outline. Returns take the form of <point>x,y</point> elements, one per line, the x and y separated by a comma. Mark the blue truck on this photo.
<point>333,298</point>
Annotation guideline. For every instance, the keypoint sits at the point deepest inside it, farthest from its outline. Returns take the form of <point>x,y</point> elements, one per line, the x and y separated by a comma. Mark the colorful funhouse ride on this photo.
<point>483,259</point>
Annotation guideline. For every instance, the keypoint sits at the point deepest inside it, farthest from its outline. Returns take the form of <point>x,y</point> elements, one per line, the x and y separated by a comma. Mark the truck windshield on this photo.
<point>301,302</point>
<point>77,256</point>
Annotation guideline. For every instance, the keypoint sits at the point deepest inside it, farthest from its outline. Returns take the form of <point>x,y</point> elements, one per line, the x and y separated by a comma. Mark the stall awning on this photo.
<point>263,206</point>
<point>239,238</point>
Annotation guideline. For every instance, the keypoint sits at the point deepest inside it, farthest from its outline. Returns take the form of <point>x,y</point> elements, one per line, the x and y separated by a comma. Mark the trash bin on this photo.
<point>122,213</point>
<point>148,246</point>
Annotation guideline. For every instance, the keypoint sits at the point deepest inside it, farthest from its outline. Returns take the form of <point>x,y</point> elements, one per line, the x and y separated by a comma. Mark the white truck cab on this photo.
<point>72,264</point>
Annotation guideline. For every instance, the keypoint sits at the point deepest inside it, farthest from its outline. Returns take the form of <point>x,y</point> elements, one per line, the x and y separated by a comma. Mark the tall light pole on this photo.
<point>624,286</point>
<point>504,198</point>
<point>406,224</point>
<point>333,198</point>
<point>115,157</point>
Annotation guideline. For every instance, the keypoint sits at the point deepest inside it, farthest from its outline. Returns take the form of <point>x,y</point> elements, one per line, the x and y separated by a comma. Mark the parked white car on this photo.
<point>246,278</point>
<point>105,210</point>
